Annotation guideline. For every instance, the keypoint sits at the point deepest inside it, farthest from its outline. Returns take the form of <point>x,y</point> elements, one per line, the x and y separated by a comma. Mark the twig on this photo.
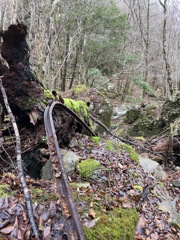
<point>115,136</point>
<point>108,131</point>
<point>19,164</point>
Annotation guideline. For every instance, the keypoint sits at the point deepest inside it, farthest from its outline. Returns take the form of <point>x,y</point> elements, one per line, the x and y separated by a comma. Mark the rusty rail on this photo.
<point>72,223</point>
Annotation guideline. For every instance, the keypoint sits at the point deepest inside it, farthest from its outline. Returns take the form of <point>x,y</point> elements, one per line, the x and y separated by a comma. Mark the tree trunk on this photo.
<point>167,65</point>
<point>63,85</point>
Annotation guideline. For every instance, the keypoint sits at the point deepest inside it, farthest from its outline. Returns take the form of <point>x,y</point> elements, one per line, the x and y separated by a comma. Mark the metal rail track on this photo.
<point>72,225</point>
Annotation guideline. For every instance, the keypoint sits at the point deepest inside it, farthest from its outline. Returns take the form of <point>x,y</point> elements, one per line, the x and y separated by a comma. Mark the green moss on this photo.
<point>87,167</point>
<point>142,139</point>
<point>110,146</point>
<point>4,191</point>
<point>96,140</point>
<point>137,187</point>
<point>40,196</point>
<point>131,152</point>
<point>115,225</point>
<point>79,107</point>
<point>29,103</point>
<point>48,94</point>
<point>79,89</point>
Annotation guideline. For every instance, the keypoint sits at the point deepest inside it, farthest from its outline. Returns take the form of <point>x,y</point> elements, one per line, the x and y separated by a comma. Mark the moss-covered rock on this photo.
<point>132,115</point>
<point>152,119</point>
<point>115,225</point>
<point>99,106</point>
<point>88,167</point>
<point>79,107</point>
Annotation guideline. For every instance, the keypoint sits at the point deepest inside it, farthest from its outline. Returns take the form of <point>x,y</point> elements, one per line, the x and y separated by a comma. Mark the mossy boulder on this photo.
<point>88,167</point>
<point>152,119</point>
<point>132,115</point>
<point>100,107</point>
<point>115,225</point>
<point>105,113</point>
<point>79,107</point>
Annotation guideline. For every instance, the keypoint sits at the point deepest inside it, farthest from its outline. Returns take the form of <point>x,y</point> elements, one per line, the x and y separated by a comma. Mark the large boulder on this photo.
<point>70,160</point>
<point>152,119</point>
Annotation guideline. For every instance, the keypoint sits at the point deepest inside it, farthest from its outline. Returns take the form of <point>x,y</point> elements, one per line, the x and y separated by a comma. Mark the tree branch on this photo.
<point>19,163</point>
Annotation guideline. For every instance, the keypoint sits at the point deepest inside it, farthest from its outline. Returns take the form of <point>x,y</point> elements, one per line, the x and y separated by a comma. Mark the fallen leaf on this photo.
<point>47,231</point>
<point>141,224</point>
<point>92,213</point>
<point>92,223</point>
<point>7,230</point>
<point>91,204</point>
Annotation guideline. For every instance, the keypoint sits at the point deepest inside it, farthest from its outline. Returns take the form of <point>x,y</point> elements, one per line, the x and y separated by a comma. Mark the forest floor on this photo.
<point>120,183</point>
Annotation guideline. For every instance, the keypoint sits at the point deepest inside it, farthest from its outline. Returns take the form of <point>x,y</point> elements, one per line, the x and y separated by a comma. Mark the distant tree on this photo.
<point>165,56</point>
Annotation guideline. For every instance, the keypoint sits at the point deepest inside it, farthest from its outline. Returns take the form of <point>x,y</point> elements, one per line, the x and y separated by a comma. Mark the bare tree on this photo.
<point>167,65</point>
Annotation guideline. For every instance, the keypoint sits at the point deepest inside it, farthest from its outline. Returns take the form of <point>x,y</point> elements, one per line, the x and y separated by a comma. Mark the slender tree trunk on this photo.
<point>63,84</point>
<point>74,67</point>
<point>146,46</point>
<point>167,65</point>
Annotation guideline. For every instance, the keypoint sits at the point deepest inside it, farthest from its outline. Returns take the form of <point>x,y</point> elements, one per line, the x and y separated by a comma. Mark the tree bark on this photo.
<point>167,65</point>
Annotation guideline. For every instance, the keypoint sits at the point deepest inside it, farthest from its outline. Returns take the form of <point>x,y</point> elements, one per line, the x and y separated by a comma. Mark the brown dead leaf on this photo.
<point>127,205</point>
<point>41,223</point>
<point>7,230</point>
<point>46,233</point>
<point>141,224</point>
<point>91,205</point>
<point>154,236</point>
<point>20,234</point>
<point>92,213</point>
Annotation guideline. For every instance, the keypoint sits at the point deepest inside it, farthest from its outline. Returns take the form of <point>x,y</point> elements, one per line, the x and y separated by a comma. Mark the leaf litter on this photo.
<point>121,182</point>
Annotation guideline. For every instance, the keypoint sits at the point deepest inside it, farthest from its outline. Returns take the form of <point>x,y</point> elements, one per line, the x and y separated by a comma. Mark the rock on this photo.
<point>105,113</point>
<point>47,171</point>
<point>119,111</point>
<point>152,119</point>
<point>88,167</point>
<point>160,174</point>
<point>70,160</point>
<point>132,115</point>
<point>148,165</point>
<point>176,183</point>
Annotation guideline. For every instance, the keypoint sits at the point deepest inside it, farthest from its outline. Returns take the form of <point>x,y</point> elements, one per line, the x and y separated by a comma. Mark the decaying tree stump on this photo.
<point>23,89</point>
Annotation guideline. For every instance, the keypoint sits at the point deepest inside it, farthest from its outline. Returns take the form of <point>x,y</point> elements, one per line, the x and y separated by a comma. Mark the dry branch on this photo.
<point>19,163</point>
